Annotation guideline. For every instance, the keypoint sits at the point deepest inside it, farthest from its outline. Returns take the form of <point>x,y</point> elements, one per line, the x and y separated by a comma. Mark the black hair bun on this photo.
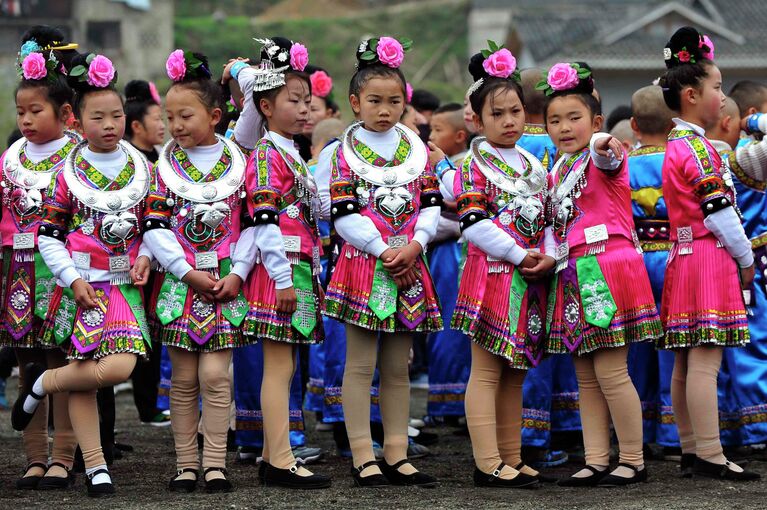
<point>476,69</point>
<point>585,85</point>
<point>78,59</point>
<point>686,46</point>
<point>362,48</point>
<point>282,44</point>
<point>201,72</point>
<point>43,35</point>
<point>138,90</point>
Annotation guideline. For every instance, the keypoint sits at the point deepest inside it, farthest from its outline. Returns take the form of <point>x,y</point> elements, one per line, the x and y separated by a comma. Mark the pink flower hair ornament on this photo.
<point>35,66</point>
<point>385,50</point>
<point>299,57</point>
<point>706,46</point>
<point>499,62</point>
<point>98,71</point>
<point>184,64</point>
<point>408,93</point>
<point>562,76</point>
<point>322,84</point>
<point>154,93</point>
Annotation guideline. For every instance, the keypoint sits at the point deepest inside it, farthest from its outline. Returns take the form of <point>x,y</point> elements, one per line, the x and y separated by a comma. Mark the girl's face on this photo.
<point>502,119</point>
<point>468,115</point>
<point>102,120</point>
<point>318,111</point>
<point>380,104</point>
<point>151,129</point>
<point>288,112</point>
<point>707,100</point>
<point>191,122</point>
<point>37,118</point>
<point>570,123</point>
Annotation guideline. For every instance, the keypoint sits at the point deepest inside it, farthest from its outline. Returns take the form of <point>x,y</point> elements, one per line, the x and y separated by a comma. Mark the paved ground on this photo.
<point>142,475</point>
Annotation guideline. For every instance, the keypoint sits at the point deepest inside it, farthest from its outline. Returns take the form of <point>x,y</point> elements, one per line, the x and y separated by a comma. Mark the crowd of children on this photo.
<point>564,278</point>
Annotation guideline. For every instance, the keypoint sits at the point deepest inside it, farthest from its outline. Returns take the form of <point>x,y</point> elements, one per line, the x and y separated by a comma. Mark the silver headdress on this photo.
<point>268,76</point>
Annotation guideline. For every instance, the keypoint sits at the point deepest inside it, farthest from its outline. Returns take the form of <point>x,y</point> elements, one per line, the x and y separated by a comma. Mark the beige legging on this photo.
<point>694,395</point>
<point>81,378</point>
<point>494,410</point>
<point>279,367</point>
<point>36,434</point>
<point>606,390</point>
<point>394,395</point>
<point>196,374</point>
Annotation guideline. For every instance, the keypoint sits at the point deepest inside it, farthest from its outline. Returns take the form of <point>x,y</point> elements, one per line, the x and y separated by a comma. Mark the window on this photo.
<point>104,35</point>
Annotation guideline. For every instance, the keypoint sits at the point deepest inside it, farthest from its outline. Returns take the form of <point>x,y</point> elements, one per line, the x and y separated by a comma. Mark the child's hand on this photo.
<point>746,277</point>
<point>227,74</point>
<point>202,282</point>
<point>435,154</point>
<point>139,273</point>
<point>85,296</point>
<point>606,144</point>
<point>543,265</point>
<point>389,254</point>
<point>404,260</point>
<point>227,288</point>
<point>407,280</point>
<point>286,300</point>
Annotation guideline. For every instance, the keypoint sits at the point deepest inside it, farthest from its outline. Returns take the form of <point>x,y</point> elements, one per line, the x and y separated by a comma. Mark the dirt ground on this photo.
<point>141,477</point>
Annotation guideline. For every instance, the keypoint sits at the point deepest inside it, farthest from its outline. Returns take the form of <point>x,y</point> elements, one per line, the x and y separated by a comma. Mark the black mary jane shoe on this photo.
<point>585,481</point>
<point>217,484</point>
<point>19,417</point>
<point>52,483</point>
<point>540,476</point>
<point>276,477</point>
<point>370,481</point>
<point>722,471</point>
<point>611,480</point>
<point>28,483</point>
<point>521,481</point>
<point>686,464</point>
<point>416,479</point>
<point>99,490</point>
<point>183,485</point>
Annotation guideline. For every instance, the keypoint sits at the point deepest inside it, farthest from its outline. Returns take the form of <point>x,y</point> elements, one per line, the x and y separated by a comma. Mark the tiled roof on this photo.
<point>562,30</point>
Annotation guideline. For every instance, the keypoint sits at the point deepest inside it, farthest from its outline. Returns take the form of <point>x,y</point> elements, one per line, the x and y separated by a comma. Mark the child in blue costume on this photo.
<point>741,385</point>
<point>651,371</point>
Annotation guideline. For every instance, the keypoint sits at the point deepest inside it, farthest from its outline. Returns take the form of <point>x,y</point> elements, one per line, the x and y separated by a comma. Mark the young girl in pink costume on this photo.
<point>600,299</point>
<point>283,290</point>
<point>385,204</point>
<point>90,239</point>
<point>711,260</point>
<point>43,105</point>
<point>502,209</point>
<point>192,224</point>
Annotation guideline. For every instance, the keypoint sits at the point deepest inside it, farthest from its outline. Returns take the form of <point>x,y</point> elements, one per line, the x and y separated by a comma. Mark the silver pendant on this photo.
<point>88,227</point>
<point>293,212</point>
<point>505,219</point>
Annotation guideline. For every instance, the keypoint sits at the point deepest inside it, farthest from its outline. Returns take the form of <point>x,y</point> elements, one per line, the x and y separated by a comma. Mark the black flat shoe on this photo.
<point>19,417</point>
<point>261,471</point>
<point>540,476</point>
<point>586,481</point>
<point>521,481</point>
<point>183,485</point>
<point>416,479</point>
<point>52,483</point>
<point>370,481</point>
<point>620,481</point>
<point>28,483</point>
<point>99,490</point>
<point>687,463</point>
<point>276,477</point>
<point>217,484</point>
<point>723,471</point>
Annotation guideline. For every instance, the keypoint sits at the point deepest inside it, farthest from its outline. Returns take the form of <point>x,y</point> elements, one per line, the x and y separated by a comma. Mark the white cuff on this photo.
<point>283,281</point>
<point>376,247</point>
<point>422,238</point>
<point>179,268</point>
<point>241,269</point>
<point>69,275</point>
<point>609,162</point>
<point>516,254</point>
